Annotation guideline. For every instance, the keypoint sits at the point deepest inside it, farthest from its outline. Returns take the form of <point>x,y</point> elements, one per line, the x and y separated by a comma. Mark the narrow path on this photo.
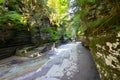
<point>70,62</point>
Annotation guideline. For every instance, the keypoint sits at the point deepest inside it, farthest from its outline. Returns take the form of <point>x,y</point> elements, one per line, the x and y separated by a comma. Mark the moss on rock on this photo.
<point>105,51</point>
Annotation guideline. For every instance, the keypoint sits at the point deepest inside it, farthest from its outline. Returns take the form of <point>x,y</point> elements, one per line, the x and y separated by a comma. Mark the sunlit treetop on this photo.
<point>58,9</point>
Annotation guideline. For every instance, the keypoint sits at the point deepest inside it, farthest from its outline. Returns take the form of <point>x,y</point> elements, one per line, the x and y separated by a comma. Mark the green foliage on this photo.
<point>95,23</point>
<point>10,16</point>
<point>14,5</point>
<point>114,20</point>
<point>53,33</point>
<point>114,28</point>
<point>75,23</point>
<point>14,16</point>
<point>12,20</point>
<point>1,1</point>
<point>82,3</point>
<point>58,9</point>
<point>76,20</point>
<point>67,34</point>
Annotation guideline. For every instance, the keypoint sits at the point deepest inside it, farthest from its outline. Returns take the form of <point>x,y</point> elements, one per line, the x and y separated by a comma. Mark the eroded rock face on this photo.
<point>10,40</point>
<point>102,36</point>
<point>7,52</point>
<point>14,38</point>
<point>5,35</point>
<point>106,53</point>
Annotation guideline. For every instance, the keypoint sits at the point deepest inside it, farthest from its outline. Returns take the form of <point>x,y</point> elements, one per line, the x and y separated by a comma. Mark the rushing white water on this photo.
<point>61,52</point>
<point>9,70</point>
<point>68,61</point>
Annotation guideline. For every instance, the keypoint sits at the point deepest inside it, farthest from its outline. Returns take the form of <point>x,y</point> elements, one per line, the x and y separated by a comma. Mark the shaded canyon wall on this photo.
<point>102,36</point>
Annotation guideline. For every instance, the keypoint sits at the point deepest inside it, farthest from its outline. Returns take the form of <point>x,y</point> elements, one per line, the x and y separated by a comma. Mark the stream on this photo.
<point>69,62</point>
<point>16,66</point>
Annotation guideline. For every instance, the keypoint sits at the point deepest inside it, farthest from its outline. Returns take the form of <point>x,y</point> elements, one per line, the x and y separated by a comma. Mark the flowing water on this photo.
<point>68,62</point>
<point>64,64</point>
<point>16,66</point>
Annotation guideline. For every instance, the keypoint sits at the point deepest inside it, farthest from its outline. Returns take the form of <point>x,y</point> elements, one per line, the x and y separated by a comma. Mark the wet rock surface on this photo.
<point>69,62</point>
